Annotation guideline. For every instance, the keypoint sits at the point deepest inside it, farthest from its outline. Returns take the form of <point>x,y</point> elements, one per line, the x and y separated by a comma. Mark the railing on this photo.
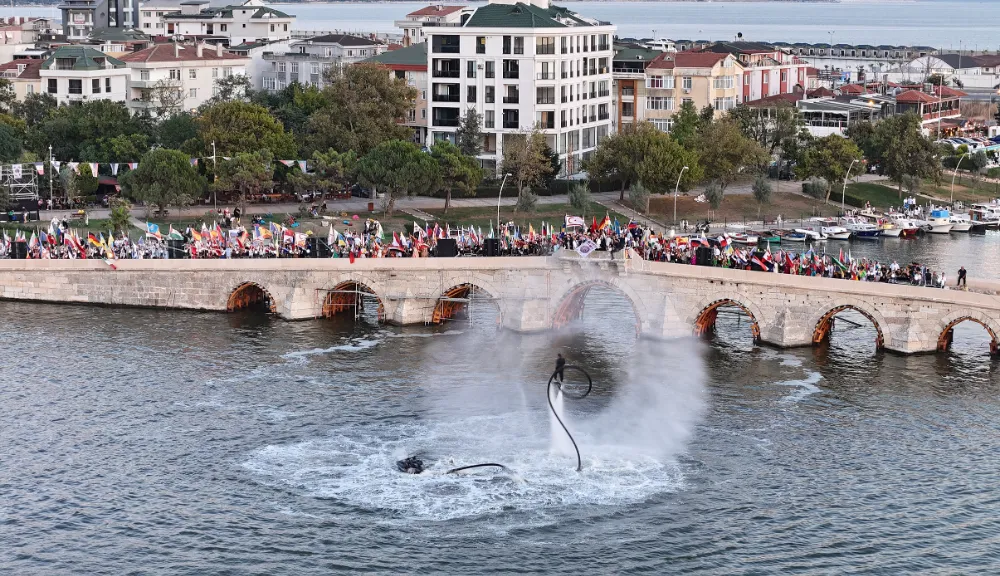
<point>446,98</point>
<point>628,92</point>
<point>446,122</point>
<point>510,99</point>
<point>491,99</point>
<point>447,74</point>
<point>563,99</point>
<point>593,94</point>
<point>509,124</point>
<point>547,125</point>
<point>603,47</point>
<point>489,124</point>
<point>545,50</point>
<point>545,100</point>
<point>602,116</point>
<point>510,74</point>
<point>546,76</point>
<point>564,75</point>
<point>603,93</point>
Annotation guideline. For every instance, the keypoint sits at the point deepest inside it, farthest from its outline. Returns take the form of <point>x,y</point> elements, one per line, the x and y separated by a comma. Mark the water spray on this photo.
<point>548,393</point>
<point>469,467</point>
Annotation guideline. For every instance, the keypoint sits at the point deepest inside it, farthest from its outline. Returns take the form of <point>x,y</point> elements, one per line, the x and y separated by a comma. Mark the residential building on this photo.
<point>968,71</point>
<point>523,66</point>
<point>767,70</point>
<point>410,64</point>
<point>74,74</point>
<point>256,51</point>
<point>853,62</point>
<point>82,17</point>
<point>307,61</point>
<point>178,77</point>
<point>23,76</point>
<point>629,72</point>
<point>152,14</point>
<point>249,21</point>
<point>18,33</point>
<point>434,16</point>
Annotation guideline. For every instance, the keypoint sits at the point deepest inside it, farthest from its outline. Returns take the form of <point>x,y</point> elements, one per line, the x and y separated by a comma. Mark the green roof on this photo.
<point>415,55</point>
<point>522,15</point>
<point>633,53</point>
<point>227,12</point>
<point>86,58</point>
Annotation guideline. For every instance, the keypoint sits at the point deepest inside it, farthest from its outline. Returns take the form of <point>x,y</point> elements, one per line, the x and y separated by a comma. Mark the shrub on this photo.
<point>526,201</point>
<point>638,196</point>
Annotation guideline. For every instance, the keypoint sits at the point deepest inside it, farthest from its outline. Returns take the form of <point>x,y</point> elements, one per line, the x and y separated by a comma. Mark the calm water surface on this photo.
<point>138,441</point>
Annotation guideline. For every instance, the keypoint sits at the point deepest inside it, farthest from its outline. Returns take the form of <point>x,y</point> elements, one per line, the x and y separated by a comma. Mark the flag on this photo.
<point>153,230</point>
<point>174,234</point>
<point>33,242</point>
<point>16,171</point>
<point>491,228</point>
<point>93,169</point>
<point>586,248</point>
<point>40,168</point>
<point>93,240</point>
<point>55,164</point>
<point>575,221</point>
<point>302,165</point>
<point>114,168</point>
<point>133,165</point>
<point>606,223</point>
<point>288,163</point>
<point>195,234</point>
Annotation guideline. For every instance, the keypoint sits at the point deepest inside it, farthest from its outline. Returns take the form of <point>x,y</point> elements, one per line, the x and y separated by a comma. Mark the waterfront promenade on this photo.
<point>531,294</point>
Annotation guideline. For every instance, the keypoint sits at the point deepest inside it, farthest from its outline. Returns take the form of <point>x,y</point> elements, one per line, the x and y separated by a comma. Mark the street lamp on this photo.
<point>500,195</point>
<point>676,186</point>
<point>843,191</point>
<point>955,173</point>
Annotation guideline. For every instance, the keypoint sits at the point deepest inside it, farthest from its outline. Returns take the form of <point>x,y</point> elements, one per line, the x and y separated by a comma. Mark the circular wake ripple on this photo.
<point>356,466</point>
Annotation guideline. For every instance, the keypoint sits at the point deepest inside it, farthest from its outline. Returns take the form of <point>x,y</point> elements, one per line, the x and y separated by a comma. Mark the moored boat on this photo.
<point>907,228</point>
<point>811,235</point>
<point>836,232</point>
<point>939,221</point>
<point>862,229</point>
<point>890,230</point>
<point>960,223</point>
<point>984,217</point>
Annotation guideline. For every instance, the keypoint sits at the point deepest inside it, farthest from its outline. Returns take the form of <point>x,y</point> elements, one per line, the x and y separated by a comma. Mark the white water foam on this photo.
<point>805,387</point>
<point>302,355</point>
<point>427,334</point>
<point>559,442</point>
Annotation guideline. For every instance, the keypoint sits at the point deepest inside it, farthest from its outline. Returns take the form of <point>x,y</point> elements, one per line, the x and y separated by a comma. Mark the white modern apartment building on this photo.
<point>239,23</point>
<point>523,66</point>
<point>178,76</point>
<point>431,16</point>
<point>82,17</point>
<point>75,74</point>
<point>306,61</point>
<point>152,14</point>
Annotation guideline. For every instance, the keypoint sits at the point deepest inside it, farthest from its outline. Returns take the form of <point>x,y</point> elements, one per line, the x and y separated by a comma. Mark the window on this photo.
<point>490,69</point>
<point>272,27</point>
<point>76,86</point>
<point>686,83</point>
<point>628,109</point>
<point>746,79</point>
<point>654,82</point>
<point>722,82</point>
<point>545,45</point>
<point>510,69</point>
<point>295,67</point>
<point>724,103</point>
<point>193,73</point>
<point>470,69</point>
<point>53,86</point>
<point>193,93</point>
<point>506,44</point>
<point>215,71</point>
<point>95,86</point>
<point>423,113</point>
<point>175,74</point>
<point>659,103</point>
<point>147,14</point>
<point>663,125</point>
<point>490,94</point>
<point>489,120</point>
<point>227,72</point>
<point>143,75</point>
<point>223,27</point>
<point>145,25</point>
<point>268,85</point>
<point>31,88</point>
<point>511,119</point>
<point>765,77</point>
<point>784,76</point>
<point>480,44</point>
<point>285,28</point>
<point>273,86</point>
<point>470,95</point>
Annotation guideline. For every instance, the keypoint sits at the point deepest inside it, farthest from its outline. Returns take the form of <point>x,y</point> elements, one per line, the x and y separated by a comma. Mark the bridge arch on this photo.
<point>707,312</point>
<point>824,322</point>
<point>456,299</point>
<point>569,306</point>
<point>947,326</point>
<point>250,295</point>
<point>349,296</point>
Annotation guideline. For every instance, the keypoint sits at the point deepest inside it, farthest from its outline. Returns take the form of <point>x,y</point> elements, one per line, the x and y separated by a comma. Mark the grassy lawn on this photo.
<point>879,195</point>
<point>741,207</point>
<point>967,189</point>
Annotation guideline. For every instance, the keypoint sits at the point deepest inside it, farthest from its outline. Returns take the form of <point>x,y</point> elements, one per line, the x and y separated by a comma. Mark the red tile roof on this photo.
<point>789,97</point>
<point>165,53</point>
<point>31,68</point>
<point>915,96</point>
<point>947,92</point>
<point>810,71</point>
<point>687,60</point>
<point>853,89</point>
<point>436,10</point>
<point>821,92</point>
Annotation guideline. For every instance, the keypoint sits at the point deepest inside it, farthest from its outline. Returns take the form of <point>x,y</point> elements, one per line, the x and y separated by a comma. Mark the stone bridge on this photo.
<point>532,294</point>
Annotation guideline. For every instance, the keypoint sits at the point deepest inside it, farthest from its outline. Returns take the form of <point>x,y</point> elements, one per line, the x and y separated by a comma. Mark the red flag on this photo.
<point>350,256</point>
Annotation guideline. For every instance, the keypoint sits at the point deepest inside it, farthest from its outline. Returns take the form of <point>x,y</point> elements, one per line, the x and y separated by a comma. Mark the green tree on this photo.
<point>829,158</point>
<point>121,148</point>
<point>397,169</point>
<point>904,150</point>
<point>640,151</point>
<point>364,103</point>
<point>248,174</point>
<point>638,197</point>
<point>579,197</point>
<point>935,79</point>
<point>7,95</point>
<point>234,88</point>
<point>470,133</point>
<point>86,181</point>
<point>769,127</point>
<point>293,105</point>
<point>459,172</point>
<point>525,159</point>
<point>725,152</point>
<point>120,215</point>
<point>163,178</point>
<point>174,132</point>
<point>10,143</point>
<point>240,127</point>
<point>72,129</point>
<point>687,125</point>
<point>664,162</point>
<point>331,172</point>
<point>761,192</point>
<point>714,193</point>
<point>35,108</point>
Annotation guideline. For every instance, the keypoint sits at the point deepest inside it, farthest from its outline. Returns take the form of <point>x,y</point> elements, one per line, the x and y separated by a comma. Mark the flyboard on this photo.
<point>414,465</point>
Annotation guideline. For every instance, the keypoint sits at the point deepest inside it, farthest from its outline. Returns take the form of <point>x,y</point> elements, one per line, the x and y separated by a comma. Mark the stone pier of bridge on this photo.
<point>531,293</point>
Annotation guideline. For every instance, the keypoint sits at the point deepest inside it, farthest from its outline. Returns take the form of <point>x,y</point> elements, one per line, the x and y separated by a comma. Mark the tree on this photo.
<point>121,148</point>
<point>35,108</point>
<point>177,130</point>
<point>714,194</point>
<point>163,178</point>
<point>459,172</point>
<point>641,152</point>
<point>904,150</point>
<point>246,173</point>
<point>10,143</point>
<point>725,151</point>
<point>664,162</point>
<point>364,103</point>
<point>331,171</point>
<point>165,96</point>
<point>234,88</point>
<point>761,192</point>
<point>579,197</point>
<point>524,158</point>
<point>829,158</point>
<point>120,215</point>
<point>769,127</point>
<point>687,125</point>
<point>71,129</point>
<point>935,79</point>
<point>978,161</point>
<point>293,105</point>
<point>7,95</point>
<point>86,180</point>
<point>638,197</point>
<point>397,168</point>
<point>240,127</point>
<point>470,133</point>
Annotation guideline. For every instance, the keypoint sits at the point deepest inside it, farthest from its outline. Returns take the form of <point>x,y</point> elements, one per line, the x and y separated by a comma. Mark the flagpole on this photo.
<point>51,193</point>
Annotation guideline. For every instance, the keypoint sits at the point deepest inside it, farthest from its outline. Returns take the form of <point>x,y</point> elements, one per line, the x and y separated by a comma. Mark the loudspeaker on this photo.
<point>19,250</point>
<point>175,249</point>
<point>446,248</point>
<point>311,251</point>
<point>323,249</point>
<point>491,247</point>
<point>705,256</point>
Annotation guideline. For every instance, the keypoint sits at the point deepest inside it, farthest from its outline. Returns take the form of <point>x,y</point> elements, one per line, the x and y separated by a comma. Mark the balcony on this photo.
<point>628,92</point>
<point>510,124</point>
<point>446,122</point>
<point>546,76</point>
<point>604,93</point>
<point>547,124</point>
<point>593,94</point>
<point>511,99</point>
<point>447,73</point>
<point>604,47</point>
<point>545,50</point>
<point>602,116</point>
<point>446,98</point>
<point>545,100</point>
<point>510,74</point>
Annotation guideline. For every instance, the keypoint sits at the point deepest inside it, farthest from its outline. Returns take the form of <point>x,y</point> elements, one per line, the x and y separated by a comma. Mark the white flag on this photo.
<point>15,171</point>
<point>40,168</point>
<point>74,166</point>
<point>302,165</point>
<point>93,169</point>
<point>114,169</point>
<point>586,248</point>
<point>55,164</point>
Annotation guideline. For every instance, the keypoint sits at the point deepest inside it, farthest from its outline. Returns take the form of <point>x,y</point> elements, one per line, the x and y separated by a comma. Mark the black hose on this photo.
<point>548,393</point>
<point>460,468</point>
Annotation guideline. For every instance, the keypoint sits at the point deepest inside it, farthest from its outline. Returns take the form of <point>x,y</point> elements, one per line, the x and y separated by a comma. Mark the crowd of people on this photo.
<point>227,237</point>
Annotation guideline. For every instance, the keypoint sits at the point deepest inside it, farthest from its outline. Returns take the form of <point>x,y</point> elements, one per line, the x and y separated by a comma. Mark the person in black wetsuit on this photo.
<point>560,366</point>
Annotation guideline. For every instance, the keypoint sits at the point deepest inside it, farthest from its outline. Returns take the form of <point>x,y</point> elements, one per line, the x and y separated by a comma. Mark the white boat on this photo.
<point>890,230</point>
<point>939,221</point>
<point>960,223</point>
<point>861,228</point>
<point>836,232</point>
<point>984,217</point>
<point>811,235</point>
<point>907,228</point>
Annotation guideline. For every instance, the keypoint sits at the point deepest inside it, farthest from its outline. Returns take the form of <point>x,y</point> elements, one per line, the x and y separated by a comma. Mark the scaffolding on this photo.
<point>20,188</point>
